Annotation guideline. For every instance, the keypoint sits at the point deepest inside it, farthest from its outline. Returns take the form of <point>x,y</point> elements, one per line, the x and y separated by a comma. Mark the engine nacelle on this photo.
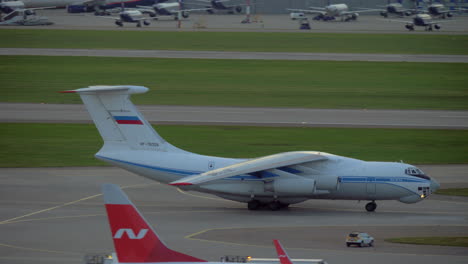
<point>326,182</point>
<point>238,9</point>
<point>409,27</point>
<point>437,26</point>
<point>355,16</point>
<point>185,14</point>
<point>298,187</point>
<point>449,14</point>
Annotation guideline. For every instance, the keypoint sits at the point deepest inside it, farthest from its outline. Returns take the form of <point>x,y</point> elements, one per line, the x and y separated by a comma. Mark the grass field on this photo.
<point>314,84</point>
<point>454,191</point>
<point>237,41</point>
<point>437,241</point>
<point>75,144</point>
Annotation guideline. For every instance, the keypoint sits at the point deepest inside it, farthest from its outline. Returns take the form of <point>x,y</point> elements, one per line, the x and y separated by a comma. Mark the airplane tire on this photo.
<point>370,207</point>
<point>253,205</point>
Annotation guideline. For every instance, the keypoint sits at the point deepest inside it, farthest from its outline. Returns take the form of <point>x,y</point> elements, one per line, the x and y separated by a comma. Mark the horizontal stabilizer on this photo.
<point>131,89</point>
<point>253,165</point>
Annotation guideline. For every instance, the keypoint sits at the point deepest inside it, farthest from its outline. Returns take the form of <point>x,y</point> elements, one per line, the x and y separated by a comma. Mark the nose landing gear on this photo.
<point>370,207</point>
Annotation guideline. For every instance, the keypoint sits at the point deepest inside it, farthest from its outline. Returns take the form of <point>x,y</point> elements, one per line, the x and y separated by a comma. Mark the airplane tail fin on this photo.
<point>282,255</point>
<point>134,239</point>
<point>119,122</point>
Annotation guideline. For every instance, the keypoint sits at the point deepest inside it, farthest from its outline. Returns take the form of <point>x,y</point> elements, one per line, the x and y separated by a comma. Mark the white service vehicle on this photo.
<point>359,239</point>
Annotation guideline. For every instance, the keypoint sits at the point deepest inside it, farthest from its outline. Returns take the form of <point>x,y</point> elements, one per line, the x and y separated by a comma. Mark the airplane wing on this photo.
<point>399,21</point>
<point>253,166</point>
<point>309,11</point>
<point>193,9</point>
<point>317,8</point>
<point>282,255</point>
<point>360,11</point>
<point>94,2</point>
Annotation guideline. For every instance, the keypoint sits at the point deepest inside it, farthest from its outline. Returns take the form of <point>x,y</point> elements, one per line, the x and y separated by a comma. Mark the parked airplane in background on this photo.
<point>8,7</point>
<point>129,16</point>
<point>397,9</point>
<point>23,18</point>
<point>135,241</point>
<point>331,12</point>
<point>276,181</point>
<point>229,6</point>
<point>421,20</point>
<point>175,9</point>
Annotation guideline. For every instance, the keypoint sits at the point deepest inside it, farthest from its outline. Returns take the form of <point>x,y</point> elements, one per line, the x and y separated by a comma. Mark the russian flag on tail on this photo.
<point>128,120</point>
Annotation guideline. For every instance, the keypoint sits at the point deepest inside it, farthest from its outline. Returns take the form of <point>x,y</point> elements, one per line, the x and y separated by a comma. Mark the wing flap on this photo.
<point>251,166</point>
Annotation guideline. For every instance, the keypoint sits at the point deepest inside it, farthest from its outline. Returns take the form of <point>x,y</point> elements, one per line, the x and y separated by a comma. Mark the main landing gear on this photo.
<point>273,206</point>
<point>370,207</point>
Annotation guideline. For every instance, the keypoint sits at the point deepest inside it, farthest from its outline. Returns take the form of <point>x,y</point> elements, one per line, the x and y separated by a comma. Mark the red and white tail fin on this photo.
<point>282,255</point>
<point>134,239</point>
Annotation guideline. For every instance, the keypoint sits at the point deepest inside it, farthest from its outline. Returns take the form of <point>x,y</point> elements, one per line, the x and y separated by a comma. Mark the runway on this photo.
<point>238,55</point>
<point>56,215</point>
<point>247,116</point>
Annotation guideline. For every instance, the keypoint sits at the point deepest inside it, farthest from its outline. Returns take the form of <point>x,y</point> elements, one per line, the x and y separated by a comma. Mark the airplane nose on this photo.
<point>434,185</point>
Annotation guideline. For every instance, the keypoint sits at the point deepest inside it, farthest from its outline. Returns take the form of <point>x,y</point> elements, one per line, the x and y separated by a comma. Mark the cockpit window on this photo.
<point>416,172</point>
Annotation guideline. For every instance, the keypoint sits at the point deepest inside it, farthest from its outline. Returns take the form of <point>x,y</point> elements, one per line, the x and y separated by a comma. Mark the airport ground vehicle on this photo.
<point>360,239</point>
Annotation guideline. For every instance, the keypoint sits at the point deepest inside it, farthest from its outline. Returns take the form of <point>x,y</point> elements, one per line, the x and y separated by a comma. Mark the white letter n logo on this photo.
<point>130,233</point>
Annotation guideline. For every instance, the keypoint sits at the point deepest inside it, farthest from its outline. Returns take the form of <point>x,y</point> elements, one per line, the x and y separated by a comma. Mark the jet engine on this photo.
<point>409,27</point>
<point>29,12</point>
<point>437,26</point>
<point>185,14</point>
<point>384,14</point>
<point>291,186</point>
<point>355,16</point>
<point>238,9</point>
<point>303,186</point>
<point>119,23</point>
<point>449,14</point>
<point>326,182</point>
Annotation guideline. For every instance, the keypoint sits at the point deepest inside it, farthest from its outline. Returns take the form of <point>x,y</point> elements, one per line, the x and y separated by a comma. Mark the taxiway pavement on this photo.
<point>237,55</point>
<point>247,116</point>
<point>259,23</point>
<point>56,215</point>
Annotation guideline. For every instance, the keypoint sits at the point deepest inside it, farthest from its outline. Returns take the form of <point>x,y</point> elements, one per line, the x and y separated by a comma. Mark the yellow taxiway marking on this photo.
<point>38,250</point>
<point>63,205</point>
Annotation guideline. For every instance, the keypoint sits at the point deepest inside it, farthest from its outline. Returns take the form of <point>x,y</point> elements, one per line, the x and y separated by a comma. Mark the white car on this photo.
<point>297,15</point>
<point>360,239</point>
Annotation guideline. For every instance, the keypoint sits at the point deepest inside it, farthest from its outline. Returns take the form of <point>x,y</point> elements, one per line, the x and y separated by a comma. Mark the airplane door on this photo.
<point>370,186</point>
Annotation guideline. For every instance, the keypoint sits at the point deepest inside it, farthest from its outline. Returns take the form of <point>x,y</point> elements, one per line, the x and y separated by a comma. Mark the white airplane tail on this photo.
<point>134,239</point>
<point>119,122</point>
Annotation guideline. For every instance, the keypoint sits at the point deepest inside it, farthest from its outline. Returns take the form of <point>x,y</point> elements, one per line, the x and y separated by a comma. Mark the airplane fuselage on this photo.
<point>336,10</point>
<point>351,179</point>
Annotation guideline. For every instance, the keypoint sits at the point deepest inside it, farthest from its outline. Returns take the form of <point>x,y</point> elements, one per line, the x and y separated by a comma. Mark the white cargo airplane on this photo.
<point>228,6</point>
<point>331,12</point>
<point>278,180</point>
<point>397,9</point>
<point>129,16</point>
<point>135,241</point>
<point>174,9</point>
<point>421,20</point>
